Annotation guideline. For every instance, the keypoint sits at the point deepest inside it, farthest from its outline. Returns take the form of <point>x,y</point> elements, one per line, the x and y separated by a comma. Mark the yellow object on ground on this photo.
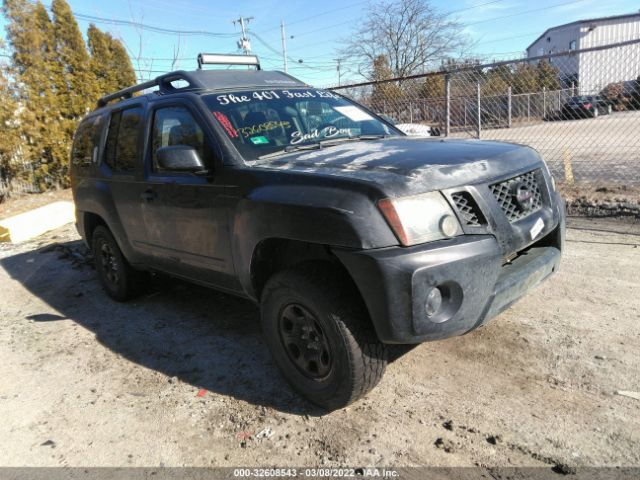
<point>36,222</point>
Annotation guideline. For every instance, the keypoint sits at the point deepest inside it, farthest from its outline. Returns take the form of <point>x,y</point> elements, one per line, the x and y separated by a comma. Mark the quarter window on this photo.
<point>176,126</point>
<point>122,150</point>
<point>84,144</point>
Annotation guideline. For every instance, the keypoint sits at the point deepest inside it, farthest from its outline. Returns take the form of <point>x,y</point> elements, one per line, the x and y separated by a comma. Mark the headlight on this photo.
<point>420,218</point>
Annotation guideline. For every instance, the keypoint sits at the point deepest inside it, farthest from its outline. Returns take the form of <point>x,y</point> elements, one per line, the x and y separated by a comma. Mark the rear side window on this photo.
<point>122,151</point>
<point>84,151</point>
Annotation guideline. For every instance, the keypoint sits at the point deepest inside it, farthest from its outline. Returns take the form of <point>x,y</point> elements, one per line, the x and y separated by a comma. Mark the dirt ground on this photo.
<point>181,376</point>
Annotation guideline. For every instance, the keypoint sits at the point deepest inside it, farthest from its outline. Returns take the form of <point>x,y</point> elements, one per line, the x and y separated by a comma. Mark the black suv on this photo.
<point>347,233</point>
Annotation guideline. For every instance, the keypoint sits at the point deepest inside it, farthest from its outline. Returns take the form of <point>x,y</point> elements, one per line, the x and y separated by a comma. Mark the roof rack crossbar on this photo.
<point>163,82</point>
<point>126,92</point>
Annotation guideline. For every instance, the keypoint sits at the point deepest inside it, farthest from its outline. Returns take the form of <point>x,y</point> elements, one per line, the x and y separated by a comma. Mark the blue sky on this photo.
<point>501,28</point>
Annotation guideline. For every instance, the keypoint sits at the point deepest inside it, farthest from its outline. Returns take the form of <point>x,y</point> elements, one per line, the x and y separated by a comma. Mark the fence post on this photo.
<point>509,106</point>
<point>528,108</point>
<point>410,111</point>
<point>478,117</point>
<point>559,99</point>
<point>464,109</point>
<point>447,94</point>
<point>544,102</point>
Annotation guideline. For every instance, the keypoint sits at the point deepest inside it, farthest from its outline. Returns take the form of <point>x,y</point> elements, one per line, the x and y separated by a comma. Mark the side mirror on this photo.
<point>180,158</point>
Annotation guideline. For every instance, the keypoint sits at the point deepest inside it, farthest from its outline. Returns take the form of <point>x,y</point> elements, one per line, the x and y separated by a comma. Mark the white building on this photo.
<point>593,71</point>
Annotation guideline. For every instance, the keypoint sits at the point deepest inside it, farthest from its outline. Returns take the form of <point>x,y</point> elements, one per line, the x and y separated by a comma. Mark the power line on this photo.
<point>269,47</point>
<point>525,12</point>
<point>474,6</point>
<point>143,26</point>
<point>327,12</point>
<point>446,13</point>
<point>509,38</point>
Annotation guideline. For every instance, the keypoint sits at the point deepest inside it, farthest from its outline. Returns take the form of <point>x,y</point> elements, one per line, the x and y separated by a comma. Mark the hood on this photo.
<point>404,165</point>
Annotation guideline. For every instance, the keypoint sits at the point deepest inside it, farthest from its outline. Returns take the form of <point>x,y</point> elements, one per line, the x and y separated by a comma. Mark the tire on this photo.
<point>316,313</point>
<point>121,281</point>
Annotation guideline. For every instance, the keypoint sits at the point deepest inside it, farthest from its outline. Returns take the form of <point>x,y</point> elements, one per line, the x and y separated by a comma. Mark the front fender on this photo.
<point>313,214</point>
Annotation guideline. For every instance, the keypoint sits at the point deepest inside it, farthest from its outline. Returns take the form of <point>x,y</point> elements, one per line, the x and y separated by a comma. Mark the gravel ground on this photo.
<point>181,377</point>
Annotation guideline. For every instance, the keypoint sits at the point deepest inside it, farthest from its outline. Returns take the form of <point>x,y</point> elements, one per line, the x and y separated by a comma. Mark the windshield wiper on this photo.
<point>327,142</point>
<point>291,149</point>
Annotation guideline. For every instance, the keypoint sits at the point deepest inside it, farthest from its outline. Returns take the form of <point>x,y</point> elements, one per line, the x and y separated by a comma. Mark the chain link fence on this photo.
<point>579,109</point>
<point>17,178</point>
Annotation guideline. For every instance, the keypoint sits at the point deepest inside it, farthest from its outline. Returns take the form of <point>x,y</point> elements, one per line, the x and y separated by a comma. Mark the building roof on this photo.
<point>578,22</point>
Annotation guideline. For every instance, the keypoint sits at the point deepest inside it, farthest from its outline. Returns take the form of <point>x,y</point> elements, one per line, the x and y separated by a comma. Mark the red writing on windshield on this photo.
<point>226,124</point>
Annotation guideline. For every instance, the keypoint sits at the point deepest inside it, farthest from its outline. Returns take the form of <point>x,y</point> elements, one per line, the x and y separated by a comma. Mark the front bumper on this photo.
<point>470,270</point>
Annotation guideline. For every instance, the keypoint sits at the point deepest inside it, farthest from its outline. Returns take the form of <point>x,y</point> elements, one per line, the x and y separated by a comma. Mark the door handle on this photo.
<point>148,195</point>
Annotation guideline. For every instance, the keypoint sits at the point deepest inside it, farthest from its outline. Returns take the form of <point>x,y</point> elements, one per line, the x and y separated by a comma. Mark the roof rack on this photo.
<point>227,59</point>
<point>163,82</point>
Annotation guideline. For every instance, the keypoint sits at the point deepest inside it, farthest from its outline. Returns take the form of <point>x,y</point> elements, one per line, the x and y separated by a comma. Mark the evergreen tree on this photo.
<point>38,74</point>
<point>9,140</point>
<point>384,95</point>
<point>56,82</point>
<point>78,86</point>
<point>121,66</point>
<point>497,81</point>
<point>109,61</point>
<point>101,60</point>
<point>525,79</point>
<point>548,76</point>
<point>433,87</point>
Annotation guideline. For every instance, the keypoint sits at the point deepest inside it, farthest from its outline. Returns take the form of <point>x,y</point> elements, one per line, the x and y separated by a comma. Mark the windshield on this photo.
<point>272,122</point>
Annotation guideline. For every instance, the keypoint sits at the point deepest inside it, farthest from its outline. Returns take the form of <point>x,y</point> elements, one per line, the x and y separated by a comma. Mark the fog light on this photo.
<point>448,225</point>
<point>434,301</point>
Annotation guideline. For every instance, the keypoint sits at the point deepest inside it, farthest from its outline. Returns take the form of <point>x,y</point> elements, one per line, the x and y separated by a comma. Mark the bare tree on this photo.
<point>176,54</point>
<point>411,34</point>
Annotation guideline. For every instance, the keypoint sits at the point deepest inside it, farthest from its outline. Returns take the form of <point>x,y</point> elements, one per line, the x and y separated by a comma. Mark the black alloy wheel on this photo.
<point>109,264</point>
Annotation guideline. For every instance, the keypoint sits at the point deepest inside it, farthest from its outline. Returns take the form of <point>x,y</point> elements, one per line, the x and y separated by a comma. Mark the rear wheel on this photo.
<point>121,281</point>
<point>320,336</point>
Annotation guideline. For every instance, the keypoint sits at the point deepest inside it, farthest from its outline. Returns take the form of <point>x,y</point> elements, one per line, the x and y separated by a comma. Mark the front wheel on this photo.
<point>320,335</point>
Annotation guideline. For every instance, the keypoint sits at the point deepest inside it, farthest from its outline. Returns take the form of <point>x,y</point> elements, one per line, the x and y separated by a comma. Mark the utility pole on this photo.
<point>244,42</point>
<point>284,46</point>
<point>338,61</point>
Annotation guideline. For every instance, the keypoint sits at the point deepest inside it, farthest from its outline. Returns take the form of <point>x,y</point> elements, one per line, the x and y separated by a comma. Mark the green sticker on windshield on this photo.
<point>259,140</point>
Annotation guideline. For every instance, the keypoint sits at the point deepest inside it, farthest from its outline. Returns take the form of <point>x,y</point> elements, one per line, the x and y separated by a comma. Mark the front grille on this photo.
<point>504,194</point>
<point>468,209</point>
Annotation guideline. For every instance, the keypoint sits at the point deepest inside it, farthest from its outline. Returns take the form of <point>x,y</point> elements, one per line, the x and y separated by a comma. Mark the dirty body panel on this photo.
<point>329,196</point>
